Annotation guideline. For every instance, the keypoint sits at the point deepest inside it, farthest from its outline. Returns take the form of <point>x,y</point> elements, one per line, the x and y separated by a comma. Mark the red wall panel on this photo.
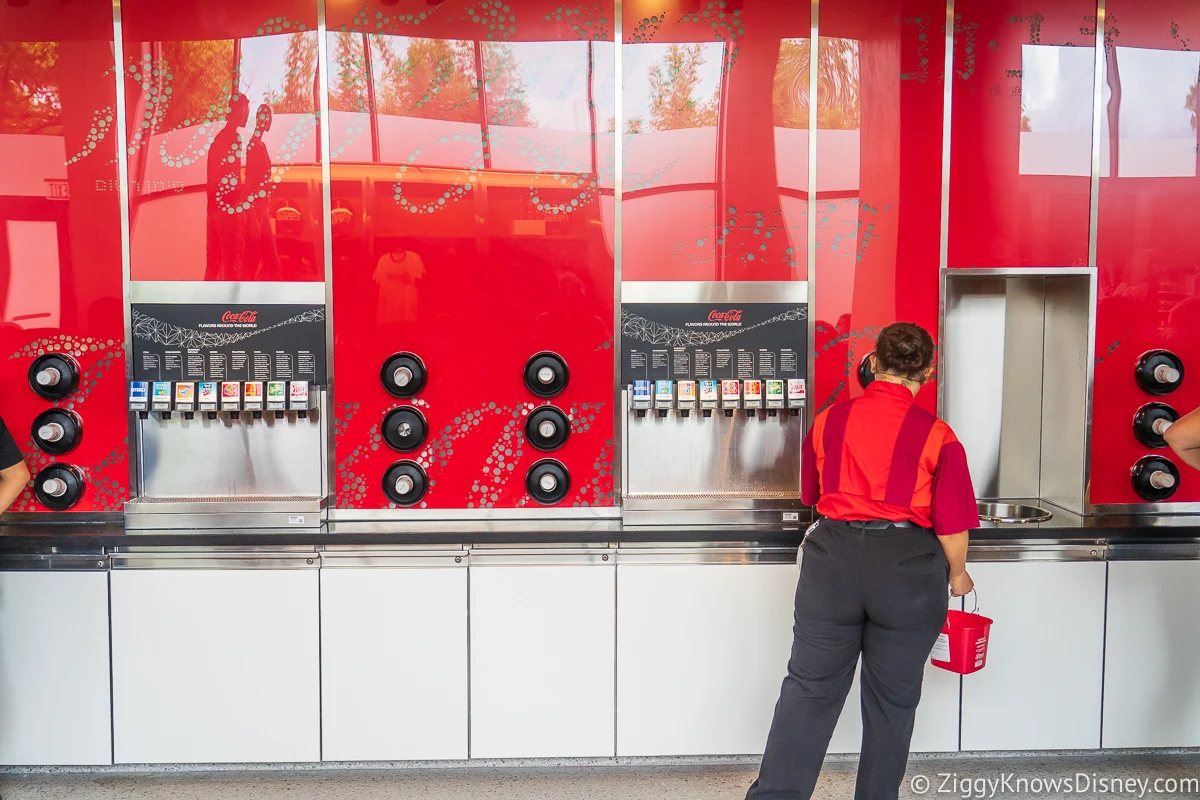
<point>715,183</point>
<point>879,158</point>
<point>472,192</point>
<point>224,175</point>
<point>60,250</point>
<point>1148,245</point>
<point>1021,139</point>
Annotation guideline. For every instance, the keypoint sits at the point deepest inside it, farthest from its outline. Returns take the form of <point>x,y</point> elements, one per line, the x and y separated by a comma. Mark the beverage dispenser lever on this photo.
<point>752,397</point>
<point>710,396</point>
<point>640,398</point>
<point>731,396</point>
<point>160,398</point>
<point>685,399</point>
<point>664,397</point>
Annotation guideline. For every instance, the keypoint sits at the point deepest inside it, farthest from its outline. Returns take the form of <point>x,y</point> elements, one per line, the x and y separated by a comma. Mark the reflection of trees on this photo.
<point>28,89</point>
<point>426,78</point>
<point>434,79</point>
<point>504,87</point>
<point>297,96</point>
<point>348,91</point>
<point>200,84</point>
<point>838,106</point>
<point>672,86</point>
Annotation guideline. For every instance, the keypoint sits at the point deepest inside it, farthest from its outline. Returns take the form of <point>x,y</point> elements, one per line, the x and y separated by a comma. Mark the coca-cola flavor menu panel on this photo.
<point>702,341</point>
<point>60,244</point>
<point>472,188</point>
<point>220,342</point>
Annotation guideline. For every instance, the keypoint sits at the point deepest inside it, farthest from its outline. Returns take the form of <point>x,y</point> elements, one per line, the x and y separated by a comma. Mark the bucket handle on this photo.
<point>974,592</point>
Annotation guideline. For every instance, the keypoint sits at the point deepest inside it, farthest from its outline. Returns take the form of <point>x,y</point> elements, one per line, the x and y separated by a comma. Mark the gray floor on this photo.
<point>959,777</point>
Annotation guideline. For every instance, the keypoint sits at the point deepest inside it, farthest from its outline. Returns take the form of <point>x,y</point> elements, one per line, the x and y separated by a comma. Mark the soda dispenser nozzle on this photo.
<point>547,429</point>
<point>404,484</point>
<point>49,377</point>
<point>548,483</point>
<point>403,376</point>
<point>1164,373</point>
<point>52,432</point>
<point>55,487</point>
<point>1162,480</point>
<point>1160,426</point>
<point>545,375</point>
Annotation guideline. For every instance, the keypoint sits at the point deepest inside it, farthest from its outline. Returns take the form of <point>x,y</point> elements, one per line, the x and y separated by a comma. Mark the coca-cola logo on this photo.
<point>732,315</point>
<point>245,317</point>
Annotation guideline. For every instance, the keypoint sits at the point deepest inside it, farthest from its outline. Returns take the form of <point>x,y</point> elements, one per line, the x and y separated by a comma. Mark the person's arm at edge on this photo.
<point>1184,438</point>
<point>12,482</point>
<point>954,512</point>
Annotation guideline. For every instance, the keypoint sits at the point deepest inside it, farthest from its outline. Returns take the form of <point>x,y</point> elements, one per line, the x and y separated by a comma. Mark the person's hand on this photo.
<point>961,584</point>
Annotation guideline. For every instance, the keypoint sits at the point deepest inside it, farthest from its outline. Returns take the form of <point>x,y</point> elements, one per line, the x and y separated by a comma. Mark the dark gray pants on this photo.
<point>869,589</point>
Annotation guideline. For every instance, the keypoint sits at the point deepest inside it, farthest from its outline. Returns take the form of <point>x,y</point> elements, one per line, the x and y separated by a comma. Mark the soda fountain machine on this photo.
<point>714,395</point>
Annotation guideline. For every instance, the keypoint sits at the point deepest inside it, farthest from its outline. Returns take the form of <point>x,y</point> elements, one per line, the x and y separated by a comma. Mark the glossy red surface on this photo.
<point>472,227</point>
<point>1148,243</point>
<point>1020,165</point>
<point>715,160</point>
<point>60,248</point>
<point>224,175</point>
<point>880,94</point>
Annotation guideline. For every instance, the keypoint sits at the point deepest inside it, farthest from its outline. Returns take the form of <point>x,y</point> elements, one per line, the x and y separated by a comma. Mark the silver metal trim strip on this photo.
<point>393,560</point>
<point>484,558</point>
<point>1163,511</point>
<point>1035,551</point>
<point>329,474</point>
<point>466,514</point>
<point>618,256</point>
<point>810,288</point>
<point>215,560</point>
<point>689,556</point>
<point>188,292</point>
<point>1154,552</point>
<point>947,104</point>
<point>53,562</point>
<point>134,450</point>
<point>1036,272</point>
<point>716,292</point>
<point>1097,98</point>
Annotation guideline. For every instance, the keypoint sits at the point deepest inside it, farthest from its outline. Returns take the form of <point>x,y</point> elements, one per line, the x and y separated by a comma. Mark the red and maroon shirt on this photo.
<point>882,456</point>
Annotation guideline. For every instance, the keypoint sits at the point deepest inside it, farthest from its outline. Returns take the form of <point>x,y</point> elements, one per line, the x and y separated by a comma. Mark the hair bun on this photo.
<point>905,350</point>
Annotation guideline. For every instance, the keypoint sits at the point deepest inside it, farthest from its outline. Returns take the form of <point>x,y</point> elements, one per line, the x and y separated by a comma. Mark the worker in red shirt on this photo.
<point>893,496</point>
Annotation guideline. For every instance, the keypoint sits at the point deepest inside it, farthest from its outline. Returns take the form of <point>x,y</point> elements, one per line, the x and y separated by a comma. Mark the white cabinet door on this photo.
<point>1152,649</point>
<point>1041,688</point>
<point>936,726</point>
<point>394,660</point>
<point>701,652</point>
<point>215,665</point>
<point>543,650</point>
<point>54,681</point>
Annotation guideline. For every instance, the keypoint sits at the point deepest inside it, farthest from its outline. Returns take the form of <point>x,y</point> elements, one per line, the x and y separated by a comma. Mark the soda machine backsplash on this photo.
<point>489,184</point>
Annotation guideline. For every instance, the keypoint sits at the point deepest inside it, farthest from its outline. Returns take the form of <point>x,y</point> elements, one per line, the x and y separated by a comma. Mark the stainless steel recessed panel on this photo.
<point>200,459</point>
<point>716,460</point>
<point>1014,378</point>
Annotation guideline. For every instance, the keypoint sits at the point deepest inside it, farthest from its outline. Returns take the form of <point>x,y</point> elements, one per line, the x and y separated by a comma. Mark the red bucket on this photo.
<point>963,644</point>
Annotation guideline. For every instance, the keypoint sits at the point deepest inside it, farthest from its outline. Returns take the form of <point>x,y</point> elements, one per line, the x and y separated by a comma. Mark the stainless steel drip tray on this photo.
<point>1005,511</point>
